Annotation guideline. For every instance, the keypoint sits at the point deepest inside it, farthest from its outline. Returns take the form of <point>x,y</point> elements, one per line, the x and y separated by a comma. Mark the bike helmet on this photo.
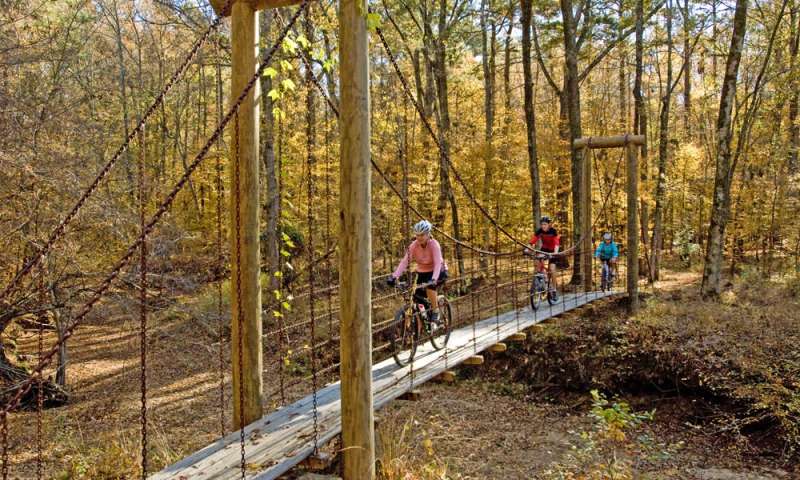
<point>607,236</point>
<point>423,226</point>
<point>545,219</point>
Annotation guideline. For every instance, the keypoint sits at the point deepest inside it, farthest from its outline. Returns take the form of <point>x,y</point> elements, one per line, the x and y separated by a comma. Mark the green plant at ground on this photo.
<point>600,452</point>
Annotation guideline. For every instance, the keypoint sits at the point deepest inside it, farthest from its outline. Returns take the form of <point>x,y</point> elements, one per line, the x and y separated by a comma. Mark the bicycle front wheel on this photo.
<point>403,336</point>
<point>537,288</point>
<point>440,333</point>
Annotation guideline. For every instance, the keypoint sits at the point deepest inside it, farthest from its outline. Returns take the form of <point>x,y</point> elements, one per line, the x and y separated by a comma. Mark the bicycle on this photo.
<point>541,286</point>
<point>606,276</point>
<point>412,323</point>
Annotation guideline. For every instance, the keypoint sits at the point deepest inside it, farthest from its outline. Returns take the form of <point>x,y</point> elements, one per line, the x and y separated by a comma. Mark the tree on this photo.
<point>530,115</point>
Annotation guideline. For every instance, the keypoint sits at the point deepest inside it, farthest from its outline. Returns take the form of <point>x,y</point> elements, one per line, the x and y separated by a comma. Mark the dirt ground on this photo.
<point>481,430</point>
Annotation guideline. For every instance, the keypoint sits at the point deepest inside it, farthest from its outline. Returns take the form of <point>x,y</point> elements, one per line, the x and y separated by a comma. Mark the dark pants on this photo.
<point>425,277</point>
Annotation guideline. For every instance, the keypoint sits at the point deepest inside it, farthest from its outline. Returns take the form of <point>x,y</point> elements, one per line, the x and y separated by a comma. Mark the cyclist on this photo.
<point>550,243</point>
<point>431,268</point>
<point>607,251</point>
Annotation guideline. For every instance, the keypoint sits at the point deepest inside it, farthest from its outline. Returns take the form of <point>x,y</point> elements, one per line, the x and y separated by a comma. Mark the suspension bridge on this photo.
<point>343,327</point>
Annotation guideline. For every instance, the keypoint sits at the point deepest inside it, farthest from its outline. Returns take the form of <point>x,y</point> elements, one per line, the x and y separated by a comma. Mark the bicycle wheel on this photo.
<point>551,293</point>
<point>604,275</point>
<point>403,336</point>
<point>445,325</point>
<point>537,288</point>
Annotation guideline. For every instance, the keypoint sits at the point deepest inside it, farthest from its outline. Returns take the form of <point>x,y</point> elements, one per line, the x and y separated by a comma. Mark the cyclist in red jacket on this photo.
<point>550,241</point>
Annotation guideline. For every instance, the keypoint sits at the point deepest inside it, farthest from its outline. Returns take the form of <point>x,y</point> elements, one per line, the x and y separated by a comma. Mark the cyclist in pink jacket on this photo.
<point>426,252</point>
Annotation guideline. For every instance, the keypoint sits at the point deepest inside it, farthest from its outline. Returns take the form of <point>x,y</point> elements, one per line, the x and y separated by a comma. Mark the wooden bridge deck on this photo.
<point>282,439</point>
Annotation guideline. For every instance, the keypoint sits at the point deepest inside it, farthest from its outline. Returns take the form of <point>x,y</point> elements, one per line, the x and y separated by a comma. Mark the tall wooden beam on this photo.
<point>355,240</point>
<point>632,183</point>
<point>247,302</point>
<point>586,221</point>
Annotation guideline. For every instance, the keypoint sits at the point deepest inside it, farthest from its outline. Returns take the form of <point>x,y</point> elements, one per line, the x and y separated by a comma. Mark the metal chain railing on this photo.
<point>143,301</point>
<point>237,235</point>
<point>310,184</point>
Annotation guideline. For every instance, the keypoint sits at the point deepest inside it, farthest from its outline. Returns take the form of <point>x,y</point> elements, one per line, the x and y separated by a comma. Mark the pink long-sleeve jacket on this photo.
<point>428,259</point>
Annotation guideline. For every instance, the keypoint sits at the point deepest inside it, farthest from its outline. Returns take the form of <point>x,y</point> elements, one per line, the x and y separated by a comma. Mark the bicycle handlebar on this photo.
<point>401,285</point>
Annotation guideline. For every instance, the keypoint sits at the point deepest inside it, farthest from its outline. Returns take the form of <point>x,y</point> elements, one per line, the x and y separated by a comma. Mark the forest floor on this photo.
<point>727,407</point>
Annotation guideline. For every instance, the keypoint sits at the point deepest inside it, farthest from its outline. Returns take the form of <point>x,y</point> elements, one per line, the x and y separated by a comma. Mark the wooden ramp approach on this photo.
<point>279,441</point>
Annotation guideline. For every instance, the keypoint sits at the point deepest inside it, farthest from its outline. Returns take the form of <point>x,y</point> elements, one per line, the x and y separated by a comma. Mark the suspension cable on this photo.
<point>310,162</point>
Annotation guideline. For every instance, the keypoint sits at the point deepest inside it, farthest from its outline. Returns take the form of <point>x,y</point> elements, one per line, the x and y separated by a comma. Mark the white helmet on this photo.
<point>423,226</point>
<point>607,236</point>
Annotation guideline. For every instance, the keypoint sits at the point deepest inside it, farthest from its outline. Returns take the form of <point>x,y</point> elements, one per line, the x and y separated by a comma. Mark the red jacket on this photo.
<point>550,239</point>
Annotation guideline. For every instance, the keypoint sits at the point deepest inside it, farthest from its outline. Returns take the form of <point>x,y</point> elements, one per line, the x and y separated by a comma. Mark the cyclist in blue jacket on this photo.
<point>607,251</point>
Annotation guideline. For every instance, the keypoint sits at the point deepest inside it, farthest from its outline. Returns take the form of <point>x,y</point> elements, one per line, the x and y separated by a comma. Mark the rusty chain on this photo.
<point>310,162</point>
<point>237,199</point>
<point>143,301</point>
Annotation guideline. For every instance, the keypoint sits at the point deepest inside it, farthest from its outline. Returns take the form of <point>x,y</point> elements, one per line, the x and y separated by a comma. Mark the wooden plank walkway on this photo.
<point>282,439</point>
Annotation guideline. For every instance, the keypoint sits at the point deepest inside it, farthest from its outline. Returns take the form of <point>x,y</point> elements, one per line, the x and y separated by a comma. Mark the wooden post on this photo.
<point>633,226</point>
<point>355,239</point>
<point>244,58</point>
<point>586,222</point>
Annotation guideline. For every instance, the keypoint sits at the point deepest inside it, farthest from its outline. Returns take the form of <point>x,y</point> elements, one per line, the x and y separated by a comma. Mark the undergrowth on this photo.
<point>739,354</point>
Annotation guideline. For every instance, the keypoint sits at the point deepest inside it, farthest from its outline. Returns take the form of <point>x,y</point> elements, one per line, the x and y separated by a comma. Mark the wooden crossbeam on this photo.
<point>608,142</point>
<point>448,376</point>
<point>473,360</point>
<point>219,5</point>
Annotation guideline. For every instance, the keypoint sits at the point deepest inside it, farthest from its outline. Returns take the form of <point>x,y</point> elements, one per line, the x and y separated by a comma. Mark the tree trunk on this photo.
<point>488,53</point>
<point>443,119</point>
<point>622,77</point>
<point>640,117</point>
<point>123,89</point>
<point>573,103</point>
<point>272,204</point>
<point>794,100</point>
<point>663,153</point>
<point>687,69</point>
<point>712,281</point>
<point>530,116</point>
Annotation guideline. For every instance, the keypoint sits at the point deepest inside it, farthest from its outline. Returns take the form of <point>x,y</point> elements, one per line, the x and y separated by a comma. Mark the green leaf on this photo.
<point>274,94</point>
<point>286,66</point>
<point>278,294</point>
<point>288,84</point>
<point>277,314</point>
<point>303,41</point>
<point>289,45</point>
<point>285,253</point>
<point>270,72</point>
<point>287,306</point>
<point>373,21</point>
<point>278,274</point>
<point>327,65</point>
